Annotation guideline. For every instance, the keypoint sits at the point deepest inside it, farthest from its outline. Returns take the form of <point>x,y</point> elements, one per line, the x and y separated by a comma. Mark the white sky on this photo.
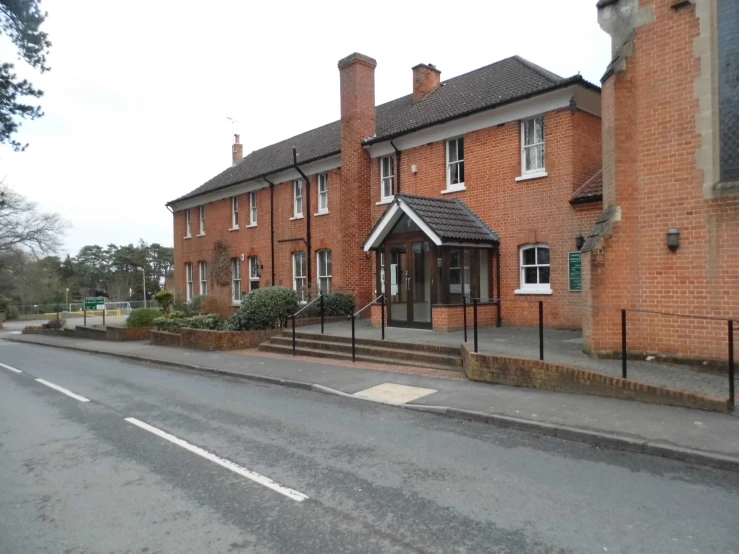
<point>137,98</point>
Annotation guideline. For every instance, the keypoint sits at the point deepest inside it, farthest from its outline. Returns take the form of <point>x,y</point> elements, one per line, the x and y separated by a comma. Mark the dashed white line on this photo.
<point>63,390</point>
<point>244,472</point>
<point>14,370</point>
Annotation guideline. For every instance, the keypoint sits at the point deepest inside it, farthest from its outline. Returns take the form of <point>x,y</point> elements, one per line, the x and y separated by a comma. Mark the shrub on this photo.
<point>8,306</point>
<point>338,303</point>
<point>165,299</point>
<point>212,322</point>
<point>169,324</point>
<point>143,317</point>
<point>267,308</point>
<point>55,323</point>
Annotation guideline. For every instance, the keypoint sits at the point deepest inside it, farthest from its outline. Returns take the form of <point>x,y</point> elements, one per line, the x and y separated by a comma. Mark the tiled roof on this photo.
<point>590,191</point>
<point>604,3</point>
<point>505,81</point>
<point>451,220</point>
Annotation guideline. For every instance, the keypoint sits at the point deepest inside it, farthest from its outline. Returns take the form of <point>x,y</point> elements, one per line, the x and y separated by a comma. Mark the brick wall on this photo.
<point>451,318</point>
<point>651,172</point>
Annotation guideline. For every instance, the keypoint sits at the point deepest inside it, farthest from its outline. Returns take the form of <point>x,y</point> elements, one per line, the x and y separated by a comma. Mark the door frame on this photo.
<point>407,239</point>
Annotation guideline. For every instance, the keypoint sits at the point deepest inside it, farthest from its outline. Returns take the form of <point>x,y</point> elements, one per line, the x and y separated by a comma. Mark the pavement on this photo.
<point>148,459</point>
<point>699,437</point>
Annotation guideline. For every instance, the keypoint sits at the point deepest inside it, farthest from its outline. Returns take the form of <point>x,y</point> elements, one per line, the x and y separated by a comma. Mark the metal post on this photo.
<point>382,315</point>
<point>103,314</point>
<point>84,324</point>
<point>321,312</point>
<point>623,344</point>
<point>731,364</point>
<point>541,330</point>
<point>354,348</point>
<point>293,334</point>
<point>464,316</point>
<point>474,320</point>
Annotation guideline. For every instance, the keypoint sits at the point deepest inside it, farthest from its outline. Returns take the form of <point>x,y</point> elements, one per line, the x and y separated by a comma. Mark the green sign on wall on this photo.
<point>94,303</point>
<point>575,271</point>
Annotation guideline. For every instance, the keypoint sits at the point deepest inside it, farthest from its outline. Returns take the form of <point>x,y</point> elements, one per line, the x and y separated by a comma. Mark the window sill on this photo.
<point>251,226</point>
<point>320,213</point>
<point>200,235</point>
<point>545,292</point>
<point>455,188</point>
<point>296,217</point>
<point>234,228</point>
<point>188,236</point>
<point>236,302</point>
<point>527,176</point>
<point>384,201</point>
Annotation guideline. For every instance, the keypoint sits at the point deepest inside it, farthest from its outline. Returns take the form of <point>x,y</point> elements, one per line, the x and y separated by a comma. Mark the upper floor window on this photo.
<point>300,279</point>
<point>234,213</point>
<point>387,177</point>
<point>202,219</point>
<point>532,146</point>
<point>188,280</point>
<point>535,269</point>
<point>253,208</point>
<point>455,164</point>
<point>188,224</point>
<point>236,280</point>
<point>323,193</point>
<point>324,271</point>
<point>728,89</point>
<point>298,198</point>
<point>254,273</point>
<point>203,268</point>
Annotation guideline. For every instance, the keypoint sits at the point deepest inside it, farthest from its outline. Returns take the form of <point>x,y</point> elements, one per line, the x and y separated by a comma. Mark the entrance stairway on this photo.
<point>428,356</point>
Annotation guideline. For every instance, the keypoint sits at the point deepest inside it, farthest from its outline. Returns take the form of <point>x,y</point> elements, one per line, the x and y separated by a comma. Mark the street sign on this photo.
<point>94,303</point>
<point>575,271</point>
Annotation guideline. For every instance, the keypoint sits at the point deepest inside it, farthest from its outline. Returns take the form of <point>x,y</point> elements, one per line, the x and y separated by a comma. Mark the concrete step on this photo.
<point>389,344</point>
<point>409,353</point>
<point>332,354</point>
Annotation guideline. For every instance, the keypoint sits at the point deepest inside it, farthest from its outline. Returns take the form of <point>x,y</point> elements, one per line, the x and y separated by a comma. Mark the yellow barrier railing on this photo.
<point>91,313</point>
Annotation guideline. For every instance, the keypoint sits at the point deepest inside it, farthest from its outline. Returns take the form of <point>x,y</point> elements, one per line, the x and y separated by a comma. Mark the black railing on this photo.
<point>355,314</point>
<point>294,316</point>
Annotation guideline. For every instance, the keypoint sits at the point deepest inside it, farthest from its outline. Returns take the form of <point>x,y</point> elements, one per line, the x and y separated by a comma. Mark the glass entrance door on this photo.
<point>420,295</point>
<point>409,295</point>
<point>399,276</point>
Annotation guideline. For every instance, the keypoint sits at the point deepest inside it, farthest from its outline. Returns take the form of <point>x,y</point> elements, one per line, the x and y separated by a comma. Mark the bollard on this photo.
<point>382,315</point>
<point>321,313</point>
<point>732,394</point>
<point>464,316</point>
<point>541,330</point>
<point>623,344</point>
<point>293,334</point>
<point>474,321</point>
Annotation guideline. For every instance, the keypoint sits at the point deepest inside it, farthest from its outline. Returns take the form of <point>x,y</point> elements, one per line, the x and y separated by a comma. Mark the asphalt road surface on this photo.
<point>143,459</point>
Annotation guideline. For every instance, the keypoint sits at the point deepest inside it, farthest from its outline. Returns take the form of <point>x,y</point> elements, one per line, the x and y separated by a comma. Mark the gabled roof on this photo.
<point>503,82</point>
<point>444,221</point>
<point>590,191</point>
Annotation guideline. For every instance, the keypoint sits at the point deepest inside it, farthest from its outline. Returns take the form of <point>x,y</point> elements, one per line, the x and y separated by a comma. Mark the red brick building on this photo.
<point>479,186</point>
<point>668,239</point>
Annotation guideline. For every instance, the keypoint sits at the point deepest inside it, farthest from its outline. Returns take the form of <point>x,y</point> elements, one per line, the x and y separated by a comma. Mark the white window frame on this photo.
<point>188,282</point>
<point>321,270</point>
<point>540,171</point>
<point>303,278</point>
<point>234,212</point>
<point>387,178</point>
<point>254,264</point>
<point>253,209</point>
<point>201,217</point>
<point>188,224</point>
<point>534,288</point>
<point>322,193</point>
<point>297,184</point>
<point>203,273</point>
<point>454,143</point>
<point>236,281</point>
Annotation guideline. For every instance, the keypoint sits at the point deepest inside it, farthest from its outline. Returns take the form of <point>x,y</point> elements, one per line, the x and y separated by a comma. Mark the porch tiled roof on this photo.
<point>590,191</point>
<point>451,220</point>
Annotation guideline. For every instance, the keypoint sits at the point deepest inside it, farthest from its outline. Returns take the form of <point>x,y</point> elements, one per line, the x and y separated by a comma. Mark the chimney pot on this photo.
<point>426,79</point>
<point>237,150</point>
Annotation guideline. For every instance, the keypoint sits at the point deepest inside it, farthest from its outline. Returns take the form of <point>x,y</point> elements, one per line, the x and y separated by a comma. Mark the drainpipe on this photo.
<point>397,164</point>
<point>272,224</point>
<point>307,216</point>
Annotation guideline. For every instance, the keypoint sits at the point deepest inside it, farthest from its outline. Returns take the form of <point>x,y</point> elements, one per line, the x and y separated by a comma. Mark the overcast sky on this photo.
<point>139,91</point>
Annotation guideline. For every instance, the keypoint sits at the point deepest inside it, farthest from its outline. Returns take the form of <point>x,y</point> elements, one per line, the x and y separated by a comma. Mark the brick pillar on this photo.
<point>237,150</point>
<point>357,78</point>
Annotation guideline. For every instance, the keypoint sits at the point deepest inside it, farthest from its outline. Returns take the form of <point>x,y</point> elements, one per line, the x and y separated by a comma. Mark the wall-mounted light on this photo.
<point>579,242</point>
<point>673,239</point>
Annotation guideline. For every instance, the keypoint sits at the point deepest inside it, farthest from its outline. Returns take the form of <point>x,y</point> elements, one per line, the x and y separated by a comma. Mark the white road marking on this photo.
<point>394,394</point>
<point>63,390</point>
<point>11,368</point>
<point>244,472</point>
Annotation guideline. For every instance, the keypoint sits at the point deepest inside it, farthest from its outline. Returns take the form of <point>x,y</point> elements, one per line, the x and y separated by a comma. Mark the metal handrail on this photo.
<point>308,304</point>
<point>367,306</point>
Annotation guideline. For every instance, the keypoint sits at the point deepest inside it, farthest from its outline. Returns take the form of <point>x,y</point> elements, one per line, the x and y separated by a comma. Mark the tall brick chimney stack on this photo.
<point>357,79</point>
<point>237,150</point>
<point>426,79</point>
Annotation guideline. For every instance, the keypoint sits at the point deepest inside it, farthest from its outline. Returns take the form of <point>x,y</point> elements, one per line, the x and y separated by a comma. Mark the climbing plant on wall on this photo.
<point>221,267</point>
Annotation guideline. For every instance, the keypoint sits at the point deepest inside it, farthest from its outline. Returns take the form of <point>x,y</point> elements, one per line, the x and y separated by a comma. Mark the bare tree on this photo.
<point>23,227</point>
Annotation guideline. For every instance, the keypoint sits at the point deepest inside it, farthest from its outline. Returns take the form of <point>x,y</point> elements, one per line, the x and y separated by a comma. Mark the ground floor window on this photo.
<point>188,278</point>
<point>254,273</point>
<point>203,269</point>
<point>535,268</point>
<point>236,280</point>
<point>324,271</point>
<point>300,279</point>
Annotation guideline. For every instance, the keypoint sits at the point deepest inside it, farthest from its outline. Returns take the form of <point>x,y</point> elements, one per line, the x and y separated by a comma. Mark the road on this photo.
<point>18,325</point>
<point>312,473</point>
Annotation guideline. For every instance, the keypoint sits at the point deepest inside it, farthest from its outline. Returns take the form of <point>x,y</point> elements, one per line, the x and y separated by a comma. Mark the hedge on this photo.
<point>267,308</point>
<point>143,317</point>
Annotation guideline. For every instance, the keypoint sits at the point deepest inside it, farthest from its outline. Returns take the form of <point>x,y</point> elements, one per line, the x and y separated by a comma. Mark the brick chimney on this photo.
<point>426,79</point>
<point>357,79</point>
<point>237,150</point>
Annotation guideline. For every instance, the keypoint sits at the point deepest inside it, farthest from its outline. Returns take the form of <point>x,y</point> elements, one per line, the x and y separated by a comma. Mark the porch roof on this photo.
<point>445,222</point>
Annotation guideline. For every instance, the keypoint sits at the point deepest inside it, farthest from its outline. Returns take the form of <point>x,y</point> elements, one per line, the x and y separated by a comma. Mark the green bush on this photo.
<point>337,303</point>
<point>212,322</point>
<point>8,306</point>
<point>267,308</point>
<point>143,317</point>
<point>165,299</point>
<point>169,324</point>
